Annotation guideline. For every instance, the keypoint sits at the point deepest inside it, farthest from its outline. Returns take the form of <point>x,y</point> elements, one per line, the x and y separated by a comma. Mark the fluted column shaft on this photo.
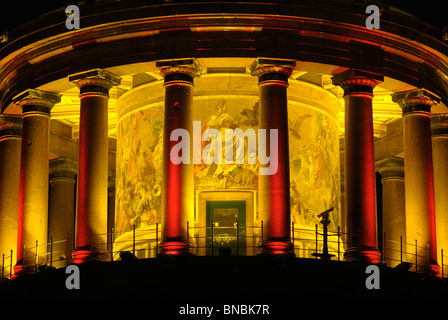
<point>92,193</point>
<point>419,182</point>
<point>33,196</point>
<point>178,177</point>
<point>273,188</point>
<point>359,165</point>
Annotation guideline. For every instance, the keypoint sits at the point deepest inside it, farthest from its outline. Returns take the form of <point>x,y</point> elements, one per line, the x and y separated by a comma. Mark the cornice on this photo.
<point>321,32</point>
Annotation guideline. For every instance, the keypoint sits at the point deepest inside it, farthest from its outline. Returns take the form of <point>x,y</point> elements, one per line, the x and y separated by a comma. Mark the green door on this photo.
<point>224,233</point>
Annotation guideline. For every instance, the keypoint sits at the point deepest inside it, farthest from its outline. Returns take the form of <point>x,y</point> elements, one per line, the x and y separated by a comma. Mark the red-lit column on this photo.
<point>10,146</point>
<point>419,180</point>
<point>33,196</point>
<point>359,165</point>
<point>111,206</point>
<point>178,178</point>
<point>273,188</point>
<point>92,192</point>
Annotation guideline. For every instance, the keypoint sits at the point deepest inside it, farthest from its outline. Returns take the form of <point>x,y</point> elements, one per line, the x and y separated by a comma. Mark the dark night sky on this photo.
<point>18,12</point>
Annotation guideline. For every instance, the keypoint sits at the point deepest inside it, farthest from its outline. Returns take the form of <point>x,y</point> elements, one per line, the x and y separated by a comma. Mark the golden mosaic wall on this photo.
<point>314,165</point>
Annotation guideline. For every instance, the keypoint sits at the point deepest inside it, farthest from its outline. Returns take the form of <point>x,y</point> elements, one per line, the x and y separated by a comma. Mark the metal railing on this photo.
<point>214,240</point>
<point>412,256</point>
<point>54,254</point>
<point>224,240</point>
<point>142,242</point>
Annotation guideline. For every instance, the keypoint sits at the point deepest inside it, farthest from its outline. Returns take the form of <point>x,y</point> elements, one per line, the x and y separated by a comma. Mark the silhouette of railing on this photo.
<point>211,240</point>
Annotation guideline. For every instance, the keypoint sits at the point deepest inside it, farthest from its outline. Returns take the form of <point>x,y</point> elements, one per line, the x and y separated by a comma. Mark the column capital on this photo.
<point>10,126</point>
<point>63,169</point>
<point>33,101</point>
<point>179,71</point>
<point>95,81</point>
<point>357,81</point>
<point>391,168</point>
<point>271,70</point>
<point>439,125</point>
<point>416,101</point>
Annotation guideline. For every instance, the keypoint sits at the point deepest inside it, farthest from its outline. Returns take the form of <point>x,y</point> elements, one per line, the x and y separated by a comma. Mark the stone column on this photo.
<point>394,222</point>
<point>359,165</point>
<point>274,187</point>
<point>10,148</point>
<point>91,216</point>
<point>62,203</point>
<point>419,182</point>
<point>33,197</point>
<point>439,128</point>
<point>178,178</point>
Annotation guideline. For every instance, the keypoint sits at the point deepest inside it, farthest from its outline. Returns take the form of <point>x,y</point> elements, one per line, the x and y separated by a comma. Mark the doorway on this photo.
<point>224,208</point>
<point>225,228</point>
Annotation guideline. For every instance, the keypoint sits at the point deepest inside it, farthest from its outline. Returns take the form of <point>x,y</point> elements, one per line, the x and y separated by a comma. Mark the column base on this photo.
<point>362,254</point>
<point>434,270</point>
<point>85,254</point>
<point>19,269</point>
<point>24,267</point>
<point>175,248</point>
<point>278,247</point>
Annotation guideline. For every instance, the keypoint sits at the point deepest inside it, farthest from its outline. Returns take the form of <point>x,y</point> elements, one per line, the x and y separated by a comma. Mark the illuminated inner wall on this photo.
<point>138,173</point>
<point>313,139</point>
